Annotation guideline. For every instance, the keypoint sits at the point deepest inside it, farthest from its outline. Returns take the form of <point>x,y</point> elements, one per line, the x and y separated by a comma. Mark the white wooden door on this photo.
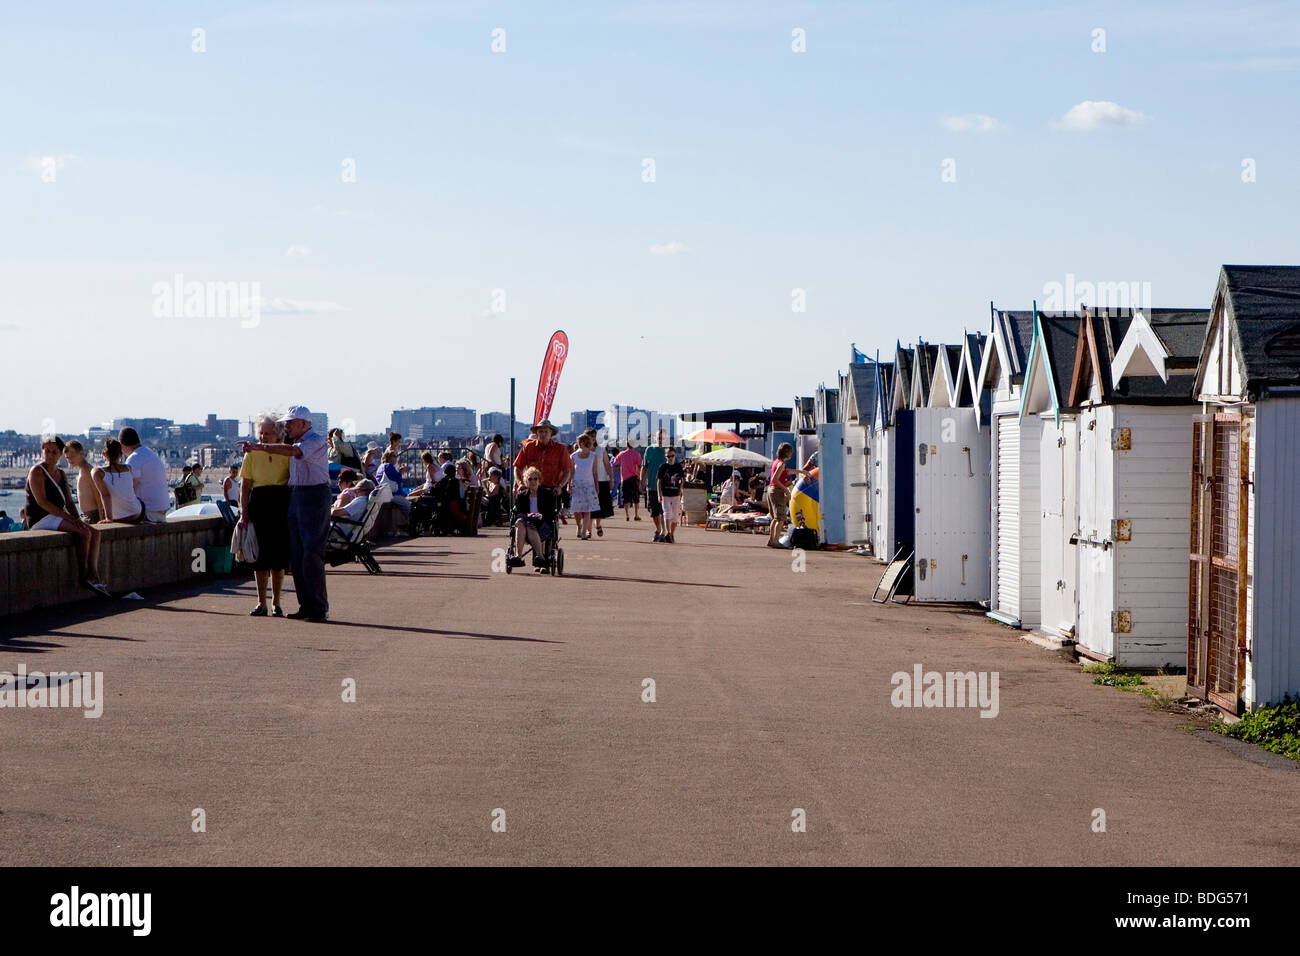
<point>1007,515</point>
<point>857,486</point>
<point>882,493</point>
<point>1094,549</point>
<point>951,459</point>
<point>1059,476</point>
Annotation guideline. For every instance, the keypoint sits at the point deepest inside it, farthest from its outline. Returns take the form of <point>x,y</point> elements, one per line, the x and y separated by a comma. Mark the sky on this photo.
<point>910,164</point>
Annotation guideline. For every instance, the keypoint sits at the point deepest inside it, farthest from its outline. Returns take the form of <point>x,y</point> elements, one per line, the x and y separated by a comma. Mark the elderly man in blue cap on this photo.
<point>309,509</point>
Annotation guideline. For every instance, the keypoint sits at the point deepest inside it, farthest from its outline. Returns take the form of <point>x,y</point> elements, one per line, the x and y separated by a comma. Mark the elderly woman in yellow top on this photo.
<point>264,501</point>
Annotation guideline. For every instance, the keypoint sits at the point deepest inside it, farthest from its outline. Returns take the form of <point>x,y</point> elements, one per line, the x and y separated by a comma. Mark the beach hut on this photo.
<point>950,458</point>
<point>1048,370</point>
<point>1132,388</point>
<point>1243,642</point>
<point>858,407</point>
<point>893,476</point>
<point>881,523</point>
<point>1015,515</point>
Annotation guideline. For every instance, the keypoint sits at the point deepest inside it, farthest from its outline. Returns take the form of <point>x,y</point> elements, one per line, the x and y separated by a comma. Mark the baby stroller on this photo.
<point>551,559</point>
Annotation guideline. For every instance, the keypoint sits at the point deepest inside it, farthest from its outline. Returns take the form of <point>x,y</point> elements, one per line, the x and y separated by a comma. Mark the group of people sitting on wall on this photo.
<point>131,487</point>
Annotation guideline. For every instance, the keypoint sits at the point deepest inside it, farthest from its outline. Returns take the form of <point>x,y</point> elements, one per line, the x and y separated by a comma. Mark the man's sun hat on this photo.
<point>299,413</point>
<point>545,423</point>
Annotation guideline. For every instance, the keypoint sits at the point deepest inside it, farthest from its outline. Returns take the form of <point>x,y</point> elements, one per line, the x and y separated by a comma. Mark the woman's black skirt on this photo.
<point>268,510</point>
<point>606,500</point>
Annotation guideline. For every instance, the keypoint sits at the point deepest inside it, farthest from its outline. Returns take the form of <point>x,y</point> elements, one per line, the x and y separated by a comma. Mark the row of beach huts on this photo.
<point>1118,481</point>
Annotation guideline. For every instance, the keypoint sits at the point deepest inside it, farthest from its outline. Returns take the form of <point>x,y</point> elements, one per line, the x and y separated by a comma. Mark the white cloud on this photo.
<point>670,248</point>
<point>279,306</point>
<point>297,251</point>
<point>969,123</point>
<point>38,163</point>
<point>1101,114</point>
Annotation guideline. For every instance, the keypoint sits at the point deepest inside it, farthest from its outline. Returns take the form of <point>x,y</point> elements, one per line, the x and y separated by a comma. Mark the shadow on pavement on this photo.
<point>680,584</point>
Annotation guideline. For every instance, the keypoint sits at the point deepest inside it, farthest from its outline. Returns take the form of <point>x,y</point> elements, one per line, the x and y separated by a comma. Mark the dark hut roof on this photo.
<point>953,354</point>
<point>903,361</point>
<point>885,385</point>
<point>1017,329</point>
<point>1264,304</point>
<point>926,356</point>
<point>1182,332</point>
<point>862,380</point>
<point>966,396</point>
<point>1060,338</point>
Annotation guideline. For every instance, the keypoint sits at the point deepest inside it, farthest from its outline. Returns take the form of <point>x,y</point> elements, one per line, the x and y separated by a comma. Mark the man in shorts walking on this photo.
<point>628,463</point>
<point>650,465</point>
<point>672,475</point>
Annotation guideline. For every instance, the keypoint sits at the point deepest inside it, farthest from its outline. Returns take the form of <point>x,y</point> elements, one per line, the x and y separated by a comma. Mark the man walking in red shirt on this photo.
<point>549,456</point>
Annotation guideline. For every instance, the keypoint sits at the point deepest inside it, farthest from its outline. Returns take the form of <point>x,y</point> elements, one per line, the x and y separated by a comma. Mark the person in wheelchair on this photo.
<point>538,509</point>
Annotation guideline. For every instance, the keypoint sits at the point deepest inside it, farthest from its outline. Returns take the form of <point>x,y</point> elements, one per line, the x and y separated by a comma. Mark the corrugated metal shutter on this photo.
<point>1009,515</point>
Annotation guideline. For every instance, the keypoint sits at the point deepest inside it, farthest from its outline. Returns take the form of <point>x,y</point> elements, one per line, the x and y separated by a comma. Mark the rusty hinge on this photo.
<point>1121,529</point>
<point>1121,622</point>
<point>1122,439</point>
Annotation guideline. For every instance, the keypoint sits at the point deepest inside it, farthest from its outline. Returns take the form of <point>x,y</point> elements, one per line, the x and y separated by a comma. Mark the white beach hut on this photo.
<point>1015,513</point>
<point>858,407</point>
<point>1042,400</point>
<point>891,512</point>
<point>1243,642</point>
<point>1132,386</point>
<point>950,458</point>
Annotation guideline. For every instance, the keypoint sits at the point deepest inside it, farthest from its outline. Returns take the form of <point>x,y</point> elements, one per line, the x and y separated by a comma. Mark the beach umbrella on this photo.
<point>716,436</point>
<point>195,510</point>
<point>736,458</point>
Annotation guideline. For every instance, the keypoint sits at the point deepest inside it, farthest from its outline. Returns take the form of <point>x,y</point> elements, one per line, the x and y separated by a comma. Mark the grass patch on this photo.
<point>1276,729</point>
<point>1107,674</point>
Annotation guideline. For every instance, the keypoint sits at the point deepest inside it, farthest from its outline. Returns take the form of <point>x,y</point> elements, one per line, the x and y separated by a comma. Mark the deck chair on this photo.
<point>897,576</point>
<point>346,540</point>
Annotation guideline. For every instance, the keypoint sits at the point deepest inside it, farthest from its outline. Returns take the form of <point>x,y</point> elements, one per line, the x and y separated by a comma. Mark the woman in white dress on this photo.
<point>585,497</point>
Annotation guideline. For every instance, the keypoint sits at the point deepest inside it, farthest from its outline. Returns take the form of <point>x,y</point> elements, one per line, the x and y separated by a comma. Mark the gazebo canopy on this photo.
<point>772,419</point>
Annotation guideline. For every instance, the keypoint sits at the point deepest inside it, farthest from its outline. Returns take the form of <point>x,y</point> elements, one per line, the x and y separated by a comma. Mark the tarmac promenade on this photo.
<point>479,692</point>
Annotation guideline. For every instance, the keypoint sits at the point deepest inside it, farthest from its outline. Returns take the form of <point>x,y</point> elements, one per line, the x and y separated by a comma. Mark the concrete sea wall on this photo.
<point>39,568</point>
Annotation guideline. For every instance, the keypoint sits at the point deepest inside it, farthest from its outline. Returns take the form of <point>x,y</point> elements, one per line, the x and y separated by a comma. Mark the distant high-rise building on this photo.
<point>624,422</point>
<point>579,422</point>
<point>498,423</point>
<point>320,423</point>
<point>145,427</point>
<point>227,428</point>
<point>435,423</point>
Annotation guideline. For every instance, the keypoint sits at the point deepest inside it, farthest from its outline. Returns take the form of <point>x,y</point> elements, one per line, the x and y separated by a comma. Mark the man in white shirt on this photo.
<point>148,475</point>
<point>357,502</point>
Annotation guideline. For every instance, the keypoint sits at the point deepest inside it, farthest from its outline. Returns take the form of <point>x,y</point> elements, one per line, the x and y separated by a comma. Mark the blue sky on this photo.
<point>522,171</point>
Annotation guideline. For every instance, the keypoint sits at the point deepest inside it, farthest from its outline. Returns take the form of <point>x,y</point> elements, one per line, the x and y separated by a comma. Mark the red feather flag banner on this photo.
<point>552,365</point>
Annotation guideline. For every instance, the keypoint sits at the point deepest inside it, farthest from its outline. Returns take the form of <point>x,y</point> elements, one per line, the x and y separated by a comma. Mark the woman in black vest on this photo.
<point>50,508</point>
